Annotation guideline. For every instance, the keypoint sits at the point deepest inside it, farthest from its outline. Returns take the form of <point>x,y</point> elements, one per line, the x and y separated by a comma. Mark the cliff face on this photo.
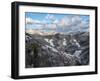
<point>57,50</point>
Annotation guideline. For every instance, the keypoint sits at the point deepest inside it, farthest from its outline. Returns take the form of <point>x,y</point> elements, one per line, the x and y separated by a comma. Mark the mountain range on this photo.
<point>56,49</point>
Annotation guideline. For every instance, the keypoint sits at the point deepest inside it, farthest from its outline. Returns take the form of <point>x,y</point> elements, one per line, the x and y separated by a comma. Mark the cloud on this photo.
<point>49,22</point>
<point>73,23</point>
<point>36,24</point>
<point>55,21</point>
<point>70,21</point>
<point>32,21</point>
<point>67,24</point>
<point>50,16</point>
<point>29,21</point>
<point>49,27</point>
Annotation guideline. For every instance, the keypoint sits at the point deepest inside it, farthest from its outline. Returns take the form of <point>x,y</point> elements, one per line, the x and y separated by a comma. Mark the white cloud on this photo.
<point>50,22</point>
<point>49,27</point>
<point>66,21</point>
<point>50,17</point>
<point>56,21</point>
<point>69,21</point>
<point>73,23</point>
<point>31,21</point>
<point>76,19</point>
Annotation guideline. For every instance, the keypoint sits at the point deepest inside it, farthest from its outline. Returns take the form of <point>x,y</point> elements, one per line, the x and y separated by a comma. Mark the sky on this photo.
<point>52,22</point>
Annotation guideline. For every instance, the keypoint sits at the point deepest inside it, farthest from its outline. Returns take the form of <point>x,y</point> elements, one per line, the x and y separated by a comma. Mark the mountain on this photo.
<point>56,49</point>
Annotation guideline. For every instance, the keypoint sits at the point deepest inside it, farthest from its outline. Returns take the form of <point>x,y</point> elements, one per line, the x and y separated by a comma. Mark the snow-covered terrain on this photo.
<point>57,49</point>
